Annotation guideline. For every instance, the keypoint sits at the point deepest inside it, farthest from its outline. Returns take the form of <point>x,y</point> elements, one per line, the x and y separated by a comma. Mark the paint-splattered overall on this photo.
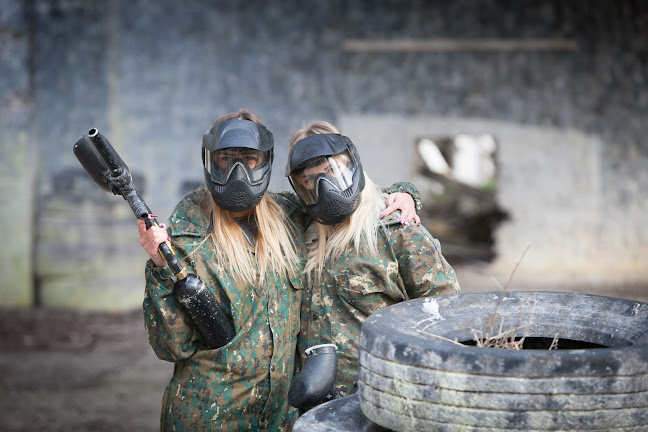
<point>243,385</point>
<point>409,265</point>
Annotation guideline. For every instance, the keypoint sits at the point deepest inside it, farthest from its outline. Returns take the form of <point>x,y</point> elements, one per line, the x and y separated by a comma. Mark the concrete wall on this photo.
<point>551,182</point>
<point>18,162</point>
<point>152,76</point>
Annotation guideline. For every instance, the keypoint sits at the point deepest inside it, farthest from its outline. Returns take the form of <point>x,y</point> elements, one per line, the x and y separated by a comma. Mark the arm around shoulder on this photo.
<point>408,188</point>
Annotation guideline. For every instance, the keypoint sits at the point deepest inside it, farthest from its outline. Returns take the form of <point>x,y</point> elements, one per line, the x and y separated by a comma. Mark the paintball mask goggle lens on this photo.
<point>337,170</point>
<point>221,163</point>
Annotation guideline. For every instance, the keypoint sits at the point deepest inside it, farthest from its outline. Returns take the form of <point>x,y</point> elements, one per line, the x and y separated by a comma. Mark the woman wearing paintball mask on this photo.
<point>356,264</point>
<point>247,247</point>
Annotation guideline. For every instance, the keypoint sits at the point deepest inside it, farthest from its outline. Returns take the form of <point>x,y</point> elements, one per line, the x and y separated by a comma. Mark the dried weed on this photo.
<point>505,339</point>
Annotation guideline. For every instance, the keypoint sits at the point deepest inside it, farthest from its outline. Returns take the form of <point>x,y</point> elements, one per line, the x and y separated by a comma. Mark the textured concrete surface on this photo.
<point>153,76</point>
<point>554,193</point>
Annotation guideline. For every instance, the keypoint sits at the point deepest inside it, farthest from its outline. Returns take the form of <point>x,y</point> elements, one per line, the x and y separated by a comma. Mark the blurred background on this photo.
<point>523,124</point>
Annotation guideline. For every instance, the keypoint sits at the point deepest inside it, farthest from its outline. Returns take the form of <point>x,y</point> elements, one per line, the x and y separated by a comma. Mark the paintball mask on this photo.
<point>326,173</point>
<point>237,159</point>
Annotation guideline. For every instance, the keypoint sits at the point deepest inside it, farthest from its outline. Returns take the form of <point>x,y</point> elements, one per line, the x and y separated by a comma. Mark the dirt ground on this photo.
<point>71,371</point>
<point>65,371</point>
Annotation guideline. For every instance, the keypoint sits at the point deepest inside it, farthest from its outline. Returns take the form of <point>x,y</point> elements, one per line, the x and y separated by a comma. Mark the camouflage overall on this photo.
<point>243,385</point>
<point>409,265</point>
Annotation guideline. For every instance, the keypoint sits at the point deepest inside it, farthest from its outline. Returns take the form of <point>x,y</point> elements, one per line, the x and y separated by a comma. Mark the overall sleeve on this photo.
<point>422,267</point>
<point>409,188</point>
<point>170,332</point>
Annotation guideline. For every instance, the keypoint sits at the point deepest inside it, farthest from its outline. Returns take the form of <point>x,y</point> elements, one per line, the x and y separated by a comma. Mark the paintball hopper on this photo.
<point>104,166</point>
<point>93,163</point>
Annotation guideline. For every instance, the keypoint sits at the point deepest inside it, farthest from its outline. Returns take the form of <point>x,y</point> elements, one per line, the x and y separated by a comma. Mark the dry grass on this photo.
<point>501,338</point>
<point>506,339</point>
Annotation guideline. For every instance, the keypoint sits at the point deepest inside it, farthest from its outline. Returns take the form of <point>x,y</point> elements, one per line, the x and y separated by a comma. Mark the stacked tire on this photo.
<point>421,371</point>
<point>413,377</point>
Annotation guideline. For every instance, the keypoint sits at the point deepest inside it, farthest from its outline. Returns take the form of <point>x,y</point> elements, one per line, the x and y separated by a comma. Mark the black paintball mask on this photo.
<point>326,173</point>
<point>237,158</point>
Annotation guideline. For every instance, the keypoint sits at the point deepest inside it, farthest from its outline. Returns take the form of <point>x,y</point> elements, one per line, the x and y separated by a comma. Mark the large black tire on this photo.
<point>339,415</point>
<point>410,380</point>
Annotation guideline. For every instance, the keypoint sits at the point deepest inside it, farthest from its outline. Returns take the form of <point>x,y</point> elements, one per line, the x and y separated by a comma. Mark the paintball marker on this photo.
<point>108,171</point>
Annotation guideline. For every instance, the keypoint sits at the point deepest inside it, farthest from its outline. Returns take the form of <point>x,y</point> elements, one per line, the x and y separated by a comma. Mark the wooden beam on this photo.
<point>458,45</point>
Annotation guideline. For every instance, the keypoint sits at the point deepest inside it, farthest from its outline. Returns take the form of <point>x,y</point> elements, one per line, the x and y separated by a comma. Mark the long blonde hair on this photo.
<point>360,230</point>
<point>274,248</point>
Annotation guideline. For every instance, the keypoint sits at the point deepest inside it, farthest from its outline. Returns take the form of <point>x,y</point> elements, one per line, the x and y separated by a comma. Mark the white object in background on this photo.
<point>432,157</point>
<point>472,161</point>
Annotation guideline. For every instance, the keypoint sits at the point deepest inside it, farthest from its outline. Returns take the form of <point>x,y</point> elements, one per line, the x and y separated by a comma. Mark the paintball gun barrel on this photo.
<point>104,166</point>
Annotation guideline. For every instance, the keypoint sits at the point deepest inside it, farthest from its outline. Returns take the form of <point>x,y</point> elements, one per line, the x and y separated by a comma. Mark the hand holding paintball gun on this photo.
<point>151,238</point>
<point>108,171</point>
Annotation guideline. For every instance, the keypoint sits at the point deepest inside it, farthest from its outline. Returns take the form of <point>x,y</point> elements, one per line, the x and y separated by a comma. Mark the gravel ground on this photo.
<point>65,371</point>
<point>70,371</point>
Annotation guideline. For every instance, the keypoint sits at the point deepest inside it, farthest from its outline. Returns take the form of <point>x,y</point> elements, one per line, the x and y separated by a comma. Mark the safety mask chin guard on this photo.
<point>237,159</point>
<point>327,176</point>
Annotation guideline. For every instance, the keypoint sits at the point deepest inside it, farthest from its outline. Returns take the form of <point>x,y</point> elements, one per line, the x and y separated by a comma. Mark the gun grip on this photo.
<point>316,381</point>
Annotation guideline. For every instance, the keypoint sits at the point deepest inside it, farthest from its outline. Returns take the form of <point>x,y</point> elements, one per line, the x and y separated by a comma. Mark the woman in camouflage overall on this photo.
<point>246,244</point>
<point>356,264</point>
<point>255,278</point>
